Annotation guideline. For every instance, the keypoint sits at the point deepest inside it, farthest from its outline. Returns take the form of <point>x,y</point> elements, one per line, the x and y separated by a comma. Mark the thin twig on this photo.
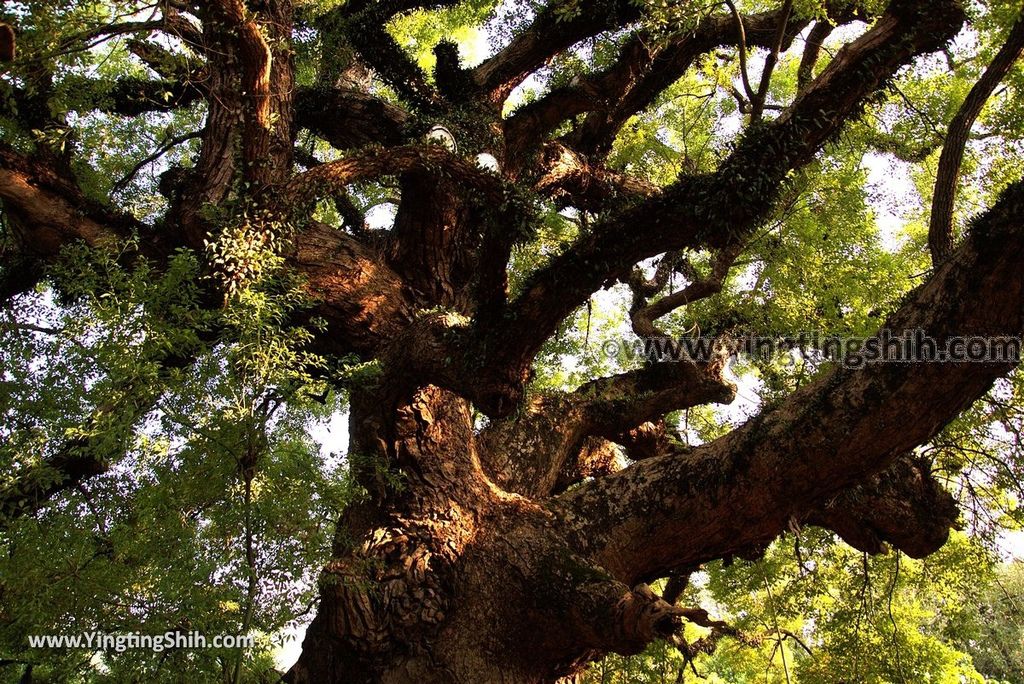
<point>149,159</point>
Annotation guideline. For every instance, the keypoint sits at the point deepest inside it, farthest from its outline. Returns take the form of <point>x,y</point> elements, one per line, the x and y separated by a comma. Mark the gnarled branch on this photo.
<point>644,69</point>
<point>903,505</point>
<point>349,118</point>
<point>643,313</point>
<point>720,209</point>
<point>538,451</point>
<point>324,179</point>
<point>743,489</point>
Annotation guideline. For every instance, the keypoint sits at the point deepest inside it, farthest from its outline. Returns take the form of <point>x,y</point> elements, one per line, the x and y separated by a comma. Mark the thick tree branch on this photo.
<point>742,489</point>
<point>815,41</point>
<point>135,96</point>
<point>344,118</point>
<point>596,457</point>
<point>903,505</point>
<point>720,209</point>
<point>644,69</point>
<point>179,26</point>
<point>364,303</point>
<point>265,81</point>
<point>349,118</point>
<point>541,449</point>
<point>940,225</point>
<point>247,140</point>
<point>46,211</point>
<point>164,63</point>
<point>571,180</point>
<point>558,26</point>
<point>620,403</point>
<point>532,122</point>
<point>372,163</point>
<point>433,245</point>
<point>353,218</point>
<point>432,242</point>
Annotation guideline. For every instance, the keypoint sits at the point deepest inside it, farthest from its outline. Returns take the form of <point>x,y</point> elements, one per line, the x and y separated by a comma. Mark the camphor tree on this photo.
<point>198,256</point>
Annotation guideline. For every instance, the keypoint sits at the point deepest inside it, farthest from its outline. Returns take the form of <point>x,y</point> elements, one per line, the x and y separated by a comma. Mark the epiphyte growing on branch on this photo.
<point>454,81</point>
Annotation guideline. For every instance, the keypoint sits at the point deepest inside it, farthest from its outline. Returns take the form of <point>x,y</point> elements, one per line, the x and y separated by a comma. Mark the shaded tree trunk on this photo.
<point>440,575</point>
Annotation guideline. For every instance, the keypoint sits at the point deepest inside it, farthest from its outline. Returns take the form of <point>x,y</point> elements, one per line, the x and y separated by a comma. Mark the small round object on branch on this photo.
<point>439,135</point>
<point>488,162</point>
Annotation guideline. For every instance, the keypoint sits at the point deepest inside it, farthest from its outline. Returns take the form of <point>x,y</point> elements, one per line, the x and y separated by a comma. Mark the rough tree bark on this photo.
<point>520,551</point>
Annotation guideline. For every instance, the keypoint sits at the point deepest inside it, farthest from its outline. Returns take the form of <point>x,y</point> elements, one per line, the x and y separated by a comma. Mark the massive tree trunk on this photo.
<point>517,549</point>
<point>442,575</point>
<point>471,567</point>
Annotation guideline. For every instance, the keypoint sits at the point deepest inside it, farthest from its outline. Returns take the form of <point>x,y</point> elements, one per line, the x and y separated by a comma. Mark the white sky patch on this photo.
<point>288,652</point>
<point>474,47</point>
<point>892,196</point>
<point>331,433</point>
<point>748,398</point>
<point>381,216</point>
<point>1012,544</point>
